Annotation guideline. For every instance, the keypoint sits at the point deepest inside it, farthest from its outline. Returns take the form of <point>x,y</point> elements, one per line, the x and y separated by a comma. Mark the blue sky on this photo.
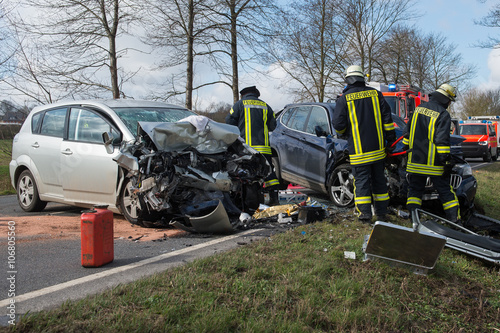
<point>455,20</point>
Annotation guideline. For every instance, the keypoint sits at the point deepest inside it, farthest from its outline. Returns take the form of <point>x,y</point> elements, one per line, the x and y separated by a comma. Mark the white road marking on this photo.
<point>61,286</point>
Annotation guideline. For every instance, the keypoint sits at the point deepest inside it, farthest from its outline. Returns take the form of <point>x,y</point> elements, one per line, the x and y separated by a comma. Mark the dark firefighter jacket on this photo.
<point>363,114</point>
<point>255,119</point>
<point>427,135</point>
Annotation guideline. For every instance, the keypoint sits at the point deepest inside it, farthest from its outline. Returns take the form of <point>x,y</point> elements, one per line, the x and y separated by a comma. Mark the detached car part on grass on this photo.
<point>180,172</point>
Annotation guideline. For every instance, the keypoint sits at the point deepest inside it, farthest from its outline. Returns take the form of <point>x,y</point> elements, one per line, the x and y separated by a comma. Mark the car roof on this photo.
<point>110,103</point>
<point>311,103</point>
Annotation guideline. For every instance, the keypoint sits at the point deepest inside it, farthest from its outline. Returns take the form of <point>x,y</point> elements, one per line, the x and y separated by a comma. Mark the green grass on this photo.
<point>487,196</point>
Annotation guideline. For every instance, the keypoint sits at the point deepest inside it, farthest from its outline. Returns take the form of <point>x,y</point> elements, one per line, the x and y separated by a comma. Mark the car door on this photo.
<point>291,144</point>
<point>44,151</point>
<point>89,174</point>
<point>313,156</point>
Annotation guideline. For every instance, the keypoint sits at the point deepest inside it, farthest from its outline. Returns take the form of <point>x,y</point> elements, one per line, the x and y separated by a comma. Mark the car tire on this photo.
<point>487,156</point>
<point>495,157</point>
<point>27,193</point>
<point>277,169</point>
<point>341,186</point>
<point>130,203</point>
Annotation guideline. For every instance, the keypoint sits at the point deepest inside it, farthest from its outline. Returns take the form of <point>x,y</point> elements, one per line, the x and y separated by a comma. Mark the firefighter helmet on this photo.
<point>448,91</point>
<point>353,74</point>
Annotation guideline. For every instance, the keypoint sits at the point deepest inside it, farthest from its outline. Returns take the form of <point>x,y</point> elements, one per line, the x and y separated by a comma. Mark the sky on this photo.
<point>454,19</point>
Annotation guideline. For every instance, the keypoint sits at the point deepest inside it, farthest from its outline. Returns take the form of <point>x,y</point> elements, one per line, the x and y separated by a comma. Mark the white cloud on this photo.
<point>494,67</point>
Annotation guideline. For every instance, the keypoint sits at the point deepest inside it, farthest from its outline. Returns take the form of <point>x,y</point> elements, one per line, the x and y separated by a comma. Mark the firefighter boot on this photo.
<point>452,214</point>
<point>274,198</point>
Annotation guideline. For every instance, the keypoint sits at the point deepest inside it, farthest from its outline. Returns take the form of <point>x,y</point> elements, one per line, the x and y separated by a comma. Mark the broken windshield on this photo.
<point>132,115</point>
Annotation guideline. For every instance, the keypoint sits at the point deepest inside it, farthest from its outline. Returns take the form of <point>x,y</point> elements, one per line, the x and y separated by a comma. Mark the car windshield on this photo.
<point>132,115</point>
<point>472,130</point>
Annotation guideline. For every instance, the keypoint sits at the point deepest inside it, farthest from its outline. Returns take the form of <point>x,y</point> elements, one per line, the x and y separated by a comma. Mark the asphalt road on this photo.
<point>46,273</point>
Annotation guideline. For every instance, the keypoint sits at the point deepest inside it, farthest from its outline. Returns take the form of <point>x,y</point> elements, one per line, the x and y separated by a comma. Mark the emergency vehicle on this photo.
<point>403,99</point>
<point>482,137</point>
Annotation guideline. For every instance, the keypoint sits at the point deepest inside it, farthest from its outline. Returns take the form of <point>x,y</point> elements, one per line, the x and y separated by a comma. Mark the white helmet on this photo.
<point>353,74</point>
<point>448,91</point>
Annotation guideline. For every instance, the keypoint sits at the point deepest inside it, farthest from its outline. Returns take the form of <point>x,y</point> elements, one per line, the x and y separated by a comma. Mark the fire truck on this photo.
<point>403,99</point>
<point>482,137</point>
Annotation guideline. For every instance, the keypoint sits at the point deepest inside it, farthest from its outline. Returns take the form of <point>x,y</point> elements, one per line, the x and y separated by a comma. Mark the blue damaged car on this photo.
<point>307,151</point>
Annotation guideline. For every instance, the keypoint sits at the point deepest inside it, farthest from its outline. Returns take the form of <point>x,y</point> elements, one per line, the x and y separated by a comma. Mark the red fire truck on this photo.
<point>482,137</point>
<point>403,99</point>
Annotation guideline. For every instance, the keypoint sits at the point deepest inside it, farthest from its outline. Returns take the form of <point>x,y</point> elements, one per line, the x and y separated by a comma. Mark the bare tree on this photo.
<point>492,20</point>
<point>310,49</point>
<point>407,56</point>
<point>479,102</point>
<point>241,25</point>
<point>369,22</point>
<point>181,28</point>
<point>76,43</point>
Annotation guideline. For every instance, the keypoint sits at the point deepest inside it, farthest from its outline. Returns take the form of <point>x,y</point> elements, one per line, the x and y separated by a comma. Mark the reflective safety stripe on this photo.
<point>432,147</point>
<point>381,197</point>
<point>266,130</point>
<point>423,169</point>
<point>262,149</point>
<point>248,126</point>
<point>406,141</point>
<point>450,204</point>
<point>354,127</point>
<point>388,127</point>
<point>363,200</point>
<point>367,157</point>
<point>271,182</point>
<point>414,201</point>
<point>378,121</point>
<point>443,149</point>
<point>342,131</point>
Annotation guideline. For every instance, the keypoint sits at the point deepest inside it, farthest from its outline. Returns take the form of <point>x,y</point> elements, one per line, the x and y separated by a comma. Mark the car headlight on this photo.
<point>483,143</point>
<point>464,170</point>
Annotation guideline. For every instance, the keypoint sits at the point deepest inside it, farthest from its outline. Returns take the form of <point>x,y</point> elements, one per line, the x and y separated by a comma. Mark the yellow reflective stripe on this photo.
<point>361,95</point>
<point>262,149</point>
<point>266,131</point>
<point>254,103</point>
<point>354,128</point>
<point>378,121</point>
<point>433,170</point>
<point>450,204</point>
<point>388,127</point>
<point>248,127</point>
<point>427,112</point>
<point>431,154</point>
<point>406,141</point>
<point>443,149</point>
<point>271,182</point>
<point>231,111</point>
<point>341,131</point>
<point>363,200</point>
<point>414,201</point>
<point>367,157</point>
<point>412,134</point>
<point>381,197</point>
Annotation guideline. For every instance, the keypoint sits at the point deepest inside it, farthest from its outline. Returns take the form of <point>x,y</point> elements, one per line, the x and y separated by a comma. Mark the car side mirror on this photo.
<point>320,131</point>
<point>108,138</point>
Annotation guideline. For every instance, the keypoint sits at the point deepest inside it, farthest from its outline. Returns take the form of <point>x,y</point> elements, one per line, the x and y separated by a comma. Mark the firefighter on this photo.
<point>427,139</point>
<point>364,117</point>
<point>255,119</point>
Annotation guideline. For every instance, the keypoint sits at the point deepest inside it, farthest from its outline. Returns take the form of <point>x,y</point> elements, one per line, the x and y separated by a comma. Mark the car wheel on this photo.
<point>495,157</point>
<point>341,186</point>
<point>277,169</point>
<point>27,193</point>
<point>487,156</point>
<point>130,203</point>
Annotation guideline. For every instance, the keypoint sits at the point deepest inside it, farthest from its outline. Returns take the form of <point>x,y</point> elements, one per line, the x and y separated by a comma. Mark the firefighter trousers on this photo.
<point>370,184</point>
<point>442,185</point>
